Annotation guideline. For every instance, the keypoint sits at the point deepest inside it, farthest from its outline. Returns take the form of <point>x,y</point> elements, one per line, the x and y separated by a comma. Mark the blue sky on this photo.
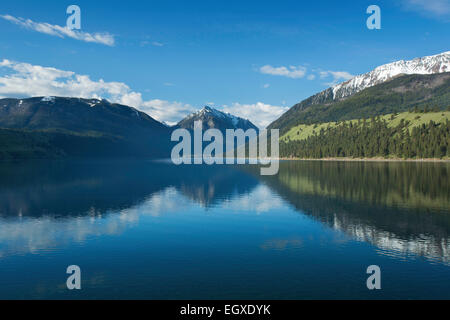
<point>168,58</point>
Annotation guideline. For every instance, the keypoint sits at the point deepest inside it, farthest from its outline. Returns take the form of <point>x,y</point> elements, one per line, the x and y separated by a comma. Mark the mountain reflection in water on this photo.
<point>401,208</point>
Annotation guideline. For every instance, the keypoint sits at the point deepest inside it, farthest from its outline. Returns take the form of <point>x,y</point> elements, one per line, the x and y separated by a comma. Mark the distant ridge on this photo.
<point>78,127</point>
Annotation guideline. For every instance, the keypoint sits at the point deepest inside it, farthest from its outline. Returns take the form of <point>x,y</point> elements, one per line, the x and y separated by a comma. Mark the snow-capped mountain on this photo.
<point>427,65</point>
<point>433,72</point>
<point>213,118</point>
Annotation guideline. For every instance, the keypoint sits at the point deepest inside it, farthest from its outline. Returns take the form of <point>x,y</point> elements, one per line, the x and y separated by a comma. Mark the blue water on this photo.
<point>151,230</point>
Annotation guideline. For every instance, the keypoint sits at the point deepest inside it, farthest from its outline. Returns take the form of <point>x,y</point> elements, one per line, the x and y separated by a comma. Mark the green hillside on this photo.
<point>57,143</point>
<point>406,135</point>
<point>414,119</point>
<point>398,95</point>
<point>17,144</point>
<point>26,144</point>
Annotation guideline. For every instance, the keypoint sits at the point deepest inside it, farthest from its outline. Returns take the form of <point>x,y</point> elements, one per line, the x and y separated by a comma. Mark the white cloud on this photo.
<point>267,85</point>
<point>300,72</point>
<point>62,32</point>
<point>290,72</point>
<point>31,80</point>
<point>341,75</point>
<point>439,8</point>
<point>338,76</point>
<point>153,43</point>
<point>26,80</point>
<point>323,74</point>
<point>260,114</point>
<point>169,112</point>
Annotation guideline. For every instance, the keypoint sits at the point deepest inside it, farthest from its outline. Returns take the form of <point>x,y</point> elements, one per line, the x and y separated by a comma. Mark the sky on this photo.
<point>254,59</point>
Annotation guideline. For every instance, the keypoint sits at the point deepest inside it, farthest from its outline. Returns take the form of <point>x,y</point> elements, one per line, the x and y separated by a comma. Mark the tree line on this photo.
<point>374,138</point>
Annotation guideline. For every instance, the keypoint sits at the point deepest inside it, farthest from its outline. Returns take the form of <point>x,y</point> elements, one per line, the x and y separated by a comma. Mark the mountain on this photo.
<point>393,87</point>
<point>50,126</point>
<point>213,118</point>
<point>427,65</point>
<point>74,114</point>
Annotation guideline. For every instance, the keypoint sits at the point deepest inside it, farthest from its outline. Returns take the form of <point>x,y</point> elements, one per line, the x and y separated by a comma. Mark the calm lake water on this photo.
<point>151,230</point>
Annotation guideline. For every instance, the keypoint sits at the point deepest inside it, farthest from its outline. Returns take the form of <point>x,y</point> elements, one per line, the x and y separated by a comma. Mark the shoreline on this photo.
<point>368,159</point>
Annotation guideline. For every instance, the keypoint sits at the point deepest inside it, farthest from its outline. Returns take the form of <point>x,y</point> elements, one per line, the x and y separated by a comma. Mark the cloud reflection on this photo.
<point>33,235</point>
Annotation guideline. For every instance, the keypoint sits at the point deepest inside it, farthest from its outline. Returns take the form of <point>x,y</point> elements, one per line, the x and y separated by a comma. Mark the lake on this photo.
<point>152,230</point>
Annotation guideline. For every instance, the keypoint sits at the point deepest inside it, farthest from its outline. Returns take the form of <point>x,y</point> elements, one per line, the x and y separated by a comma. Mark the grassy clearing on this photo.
<point>302,132</point>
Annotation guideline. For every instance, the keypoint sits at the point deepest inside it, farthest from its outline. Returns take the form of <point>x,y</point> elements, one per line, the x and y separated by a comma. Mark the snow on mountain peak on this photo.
<point>48,99</point>
<point>427,65</point>
<point>208,113</point>
<point>216,113</point>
